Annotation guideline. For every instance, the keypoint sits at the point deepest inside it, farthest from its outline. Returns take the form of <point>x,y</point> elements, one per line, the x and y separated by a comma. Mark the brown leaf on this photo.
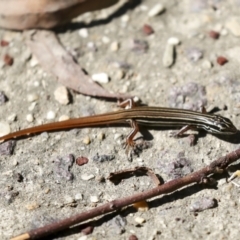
<point>54,58</point>
<point>26,14</point>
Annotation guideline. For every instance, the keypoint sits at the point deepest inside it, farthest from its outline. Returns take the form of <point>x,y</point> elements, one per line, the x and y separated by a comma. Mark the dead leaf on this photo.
<point>27,14</point>
<point>54,58</point>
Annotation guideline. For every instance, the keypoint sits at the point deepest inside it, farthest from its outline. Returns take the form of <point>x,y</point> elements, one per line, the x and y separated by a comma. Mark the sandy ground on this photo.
<point>37,184</point>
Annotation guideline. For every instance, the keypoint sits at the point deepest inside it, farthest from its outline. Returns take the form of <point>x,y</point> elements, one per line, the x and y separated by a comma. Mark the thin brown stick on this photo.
<point>168,187</point>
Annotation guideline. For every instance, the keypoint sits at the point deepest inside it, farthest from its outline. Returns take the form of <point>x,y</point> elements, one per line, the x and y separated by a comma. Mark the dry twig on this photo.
<point>173,185</point>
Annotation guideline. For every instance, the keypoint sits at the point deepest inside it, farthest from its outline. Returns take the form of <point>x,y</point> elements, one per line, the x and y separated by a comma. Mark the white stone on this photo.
<point>12,117</point>
<point>61,95</point>
<point>68,199</point>
<point>51,115</point>
<point>105,39</point>
<point>4,129</point>
<point>85,237</point>
<point>156,10</point>
<point>86,140</point>
<point>125,18</point>
<point>78,196</point>
<point>117,136</point>
<point>114,46</point>
<point>15,162</point>
<point>100,77</point>
<point>87,177</point>
<point>168,55</point>
<point>224,32</point>
<point>139,220</point>
<point>32,97</point>
<point>83,32</point>
<point>206,64</point>
<point>173,41</point>
<point>32,106</point>
<point>94,199</point>
<point>33,61</point>
<point>36,83</point>
<point>29,117</point>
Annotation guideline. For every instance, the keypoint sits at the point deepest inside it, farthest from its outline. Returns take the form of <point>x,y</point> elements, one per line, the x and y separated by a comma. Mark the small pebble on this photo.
<point>105,39</point>
<point>147,29</point>
<point>62,167</point>
<point>47,191</point>
<point>224,32</point>
<point>194,54</point>
<point>206,64</point>
<point>83,32</point>
<point>68,199</point>
<point>8,60</point>
<point>203,204</point>
<point>7,148</point>
<point>32,206</point>
<point>114,46</point>
<point>173,41</point>
<point>101,136</point>
<point>29,117</point>
<point>3,98</point>
<point>15,163</point>
<point>4,128</point>
<point>214,35</point>
<point>32,97</point>
<point>81,161</point>
<point>233,24</point>
<point>78,196</point>
<point>139,46</point>
<point>12,117</point>
<point>125,18</point>
<point>32,106</point>
<point>61,95</point>
<point>117,225</point>
<point>139,220</point>
<point>94,199</point>
<point>4,43</point>
<point>92,46</point>
<point>100,77</point>
<point>63,118</point>
<point>86,140</point>
<point>119,74</point>
<point>87,177</point>
<point>221,60</point>
<point>34,61</point>
<point>103,158</point>
<point>168,55</point>
<point>36,84</point>
<point>51,115</point>
<point>156,10</point>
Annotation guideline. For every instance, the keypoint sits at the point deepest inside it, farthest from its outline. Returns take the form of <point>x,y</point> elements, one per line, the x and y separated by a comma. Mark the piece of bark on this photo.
<point>54,58</point>
<point>27,14</point>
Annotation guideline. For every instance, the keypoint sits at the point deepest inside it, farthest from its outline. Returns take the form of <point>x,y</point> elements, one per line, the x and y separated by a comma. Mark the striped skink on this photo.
<point>148,116</point>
